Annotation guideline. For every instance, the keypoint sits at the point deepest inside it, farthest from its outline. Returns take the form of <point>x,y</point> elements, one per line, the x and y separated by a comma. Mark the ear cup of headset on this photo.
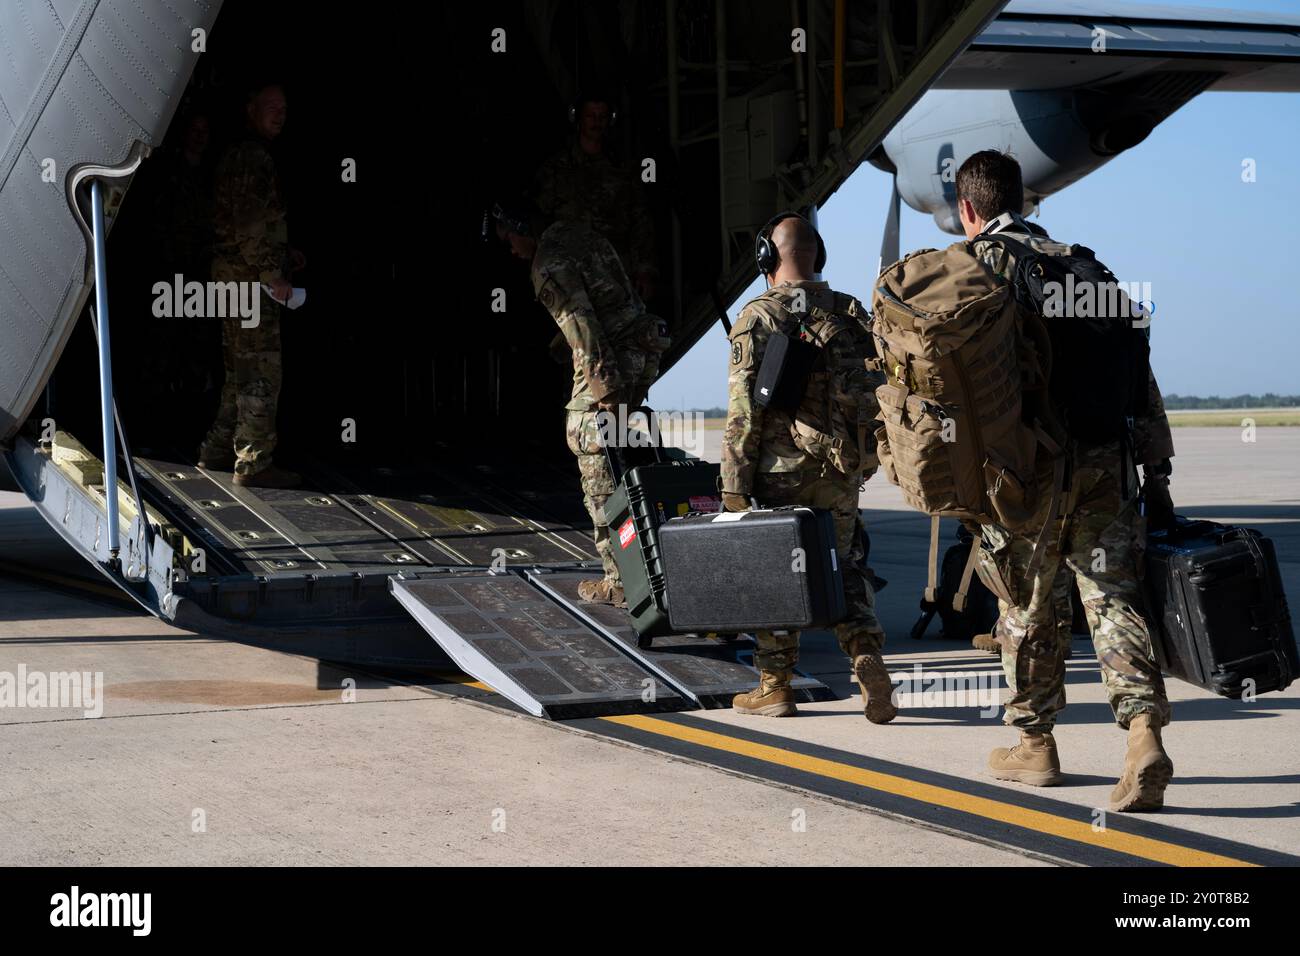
<point>765,255</point>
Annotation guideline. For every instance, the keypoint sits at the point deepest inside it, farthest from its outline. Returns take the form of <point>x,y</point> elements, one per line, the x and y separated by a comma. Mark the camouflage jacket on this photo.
<point>828,434</point>
<point>598,193</point>
<point>250,233</point>
<point>578,277</point>
<point>1152,440</point>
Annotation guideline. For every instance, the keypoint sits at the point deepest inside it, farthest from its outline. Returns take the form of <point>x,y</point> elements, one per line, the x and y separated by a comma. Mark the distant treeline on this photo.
<point>1267,400</point>
<point>709,412</point>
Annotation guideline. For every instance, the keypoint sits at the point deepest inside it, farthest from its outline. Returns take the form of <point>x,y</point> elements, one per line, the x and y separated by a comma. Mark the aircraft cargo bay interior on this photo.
<point>676,432</point>
<point>422,390</point>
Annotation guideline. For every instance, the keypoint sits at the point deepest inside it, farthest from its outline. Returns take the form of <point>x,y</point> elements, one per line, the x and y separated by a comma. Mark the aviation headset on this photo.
<point>765,251</point>
<point>582,99</point>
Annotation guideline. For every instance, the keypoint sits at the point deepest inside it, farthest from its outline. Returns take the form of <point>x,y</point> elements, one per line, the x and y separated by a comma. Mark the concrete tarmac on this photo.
<point>213,752</point>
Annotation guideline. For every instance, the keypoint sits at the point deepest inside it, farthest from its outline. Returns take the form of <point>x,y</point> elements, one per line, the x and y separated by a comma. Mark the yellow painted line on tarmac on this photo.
<point>1148,848</point>
<point>464,680</point>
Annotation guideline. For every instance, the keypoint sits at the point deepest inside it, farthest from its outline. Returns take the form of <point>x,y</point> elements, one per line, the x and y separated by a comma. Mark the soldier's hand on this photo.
<point>281,289</point>
<point>732,502</point>
<point>1159,506</point>
<point>297,259</point>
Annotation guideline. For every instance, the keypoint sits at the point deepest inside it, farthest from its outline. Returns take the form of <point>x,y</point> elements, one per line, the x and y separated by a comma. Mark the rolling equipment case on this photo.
<point>742,571</point>
<point>1218,616</point>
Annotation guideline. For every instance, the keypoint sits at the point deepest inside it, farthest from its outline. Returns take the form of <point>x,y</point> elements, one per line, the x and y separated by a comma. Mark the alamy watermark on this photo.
<point>619,428</point>
<point>1099,300</point>
<point>933,688</point>
<point>179,299</point>
<point>129,910</point>
<point>69,690</point>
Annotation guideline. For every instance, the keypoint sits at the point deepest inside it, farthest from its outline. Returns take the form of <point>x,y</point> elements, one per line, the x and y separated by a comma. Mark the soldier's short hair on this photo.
<point>586,96</point>
<point>991,181</point>
<point>255,88</point>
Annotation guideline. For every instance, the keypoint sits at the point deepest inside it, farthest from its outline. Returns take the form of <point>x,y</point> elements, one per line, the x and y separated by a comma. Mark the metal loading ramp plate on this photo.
<point>522,644</point>
<point>706,669</point>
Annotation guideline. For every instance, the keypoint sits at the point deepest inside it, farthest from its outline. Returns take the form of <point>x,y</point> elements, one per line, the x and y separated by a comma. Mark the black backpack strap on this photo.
<point>1006,242</point>
<point>1022,254</point>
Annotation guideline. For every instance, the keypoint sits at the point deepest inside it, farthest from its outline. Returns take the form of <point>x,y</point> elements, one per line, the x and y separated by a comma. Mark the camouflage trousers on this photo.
<point>582,432</point>
<point>1101,540</point>
<point>860,631</point>
<point>250,395</point>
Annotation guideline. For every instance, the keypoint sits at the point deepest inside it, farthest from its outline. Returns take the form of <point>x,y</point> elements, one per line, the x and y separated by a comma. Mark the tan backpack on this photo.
<point>962,435</point>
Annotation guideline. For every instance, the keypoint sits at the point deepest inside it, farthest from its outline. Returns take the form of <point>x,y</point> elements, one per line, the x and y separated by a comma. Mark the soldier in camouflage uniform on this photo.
<point>583,184</point>
<point>1100,539</point>
<point>251,245</point>
<point>818,456</point>
<point>615,345</point>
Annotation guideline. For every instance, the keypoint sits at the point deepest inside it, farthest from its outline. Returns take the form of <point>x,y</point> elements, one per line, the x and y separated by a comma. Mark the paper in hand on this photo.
<point>296,298</point>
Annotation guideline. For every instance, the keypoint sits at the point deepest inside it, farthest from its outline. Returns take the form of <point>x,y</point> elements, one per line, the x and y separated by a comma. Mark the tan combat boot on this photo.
<point>773,697</point>
<point>602,591</point>
<point>986,642</point>
<point>877,689</point>
<point>1147,769</point>
<point>1032,761</point>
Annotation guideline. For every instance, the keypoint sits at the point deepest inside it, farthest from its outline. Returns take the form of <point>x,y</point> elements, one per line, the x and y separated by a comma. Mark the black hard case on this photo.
<point>737,571</point>
<point>1218,615</point>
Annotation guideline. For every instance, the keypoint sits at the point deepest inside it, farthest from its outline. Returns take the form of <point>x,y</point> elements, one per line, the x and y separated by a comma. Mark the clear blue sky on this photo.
<point>1222,256</point>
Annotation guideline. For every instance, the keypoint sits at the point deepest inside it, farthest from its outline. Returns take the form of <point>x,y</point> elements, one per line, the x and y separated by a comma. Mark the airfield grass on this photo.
<point>1234,417</point>
<point>1190,418</point>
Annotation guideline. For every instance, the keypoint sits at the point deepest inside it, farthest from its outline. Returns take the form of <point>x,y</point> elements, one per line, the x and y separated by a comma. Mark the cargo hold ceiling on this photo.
<point>749,107</point>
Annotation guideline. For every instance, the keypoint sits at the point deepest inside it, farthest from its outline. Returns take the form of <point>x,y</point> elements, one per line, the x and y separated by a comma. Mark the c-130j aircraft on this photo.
<point>453,512</point>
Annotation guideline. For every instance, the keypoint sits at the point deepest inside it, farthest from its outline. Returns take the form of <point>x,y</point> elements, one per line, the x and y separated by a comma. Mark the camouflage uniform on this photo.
<point>615,343</point>
<point>817,457</point>
<point>1035,626</point>
<point>251,245</point>
<point>593,191</point>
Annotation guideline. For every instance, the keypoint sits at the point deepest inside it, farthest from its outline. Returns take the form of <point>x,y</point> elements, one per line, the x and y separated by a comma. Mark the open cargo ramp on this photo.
<point>525,646</point>
<point>707,671</point>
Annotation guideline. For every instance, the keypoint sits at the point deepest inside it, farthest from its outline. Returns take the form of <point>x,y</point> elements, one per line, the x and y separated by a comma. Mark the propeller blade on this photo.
<point>889,241</point>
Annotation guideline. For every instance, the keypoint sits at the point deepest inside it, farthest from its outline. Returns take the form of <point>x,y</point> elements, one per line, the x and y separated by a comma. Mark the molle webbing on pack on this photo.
<point>953,344</point>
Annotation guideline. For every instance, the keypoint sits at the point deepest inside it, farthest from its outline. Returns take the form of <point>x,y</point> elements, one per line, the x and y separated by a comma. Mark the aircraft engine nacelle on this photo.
<point>1057,136</point>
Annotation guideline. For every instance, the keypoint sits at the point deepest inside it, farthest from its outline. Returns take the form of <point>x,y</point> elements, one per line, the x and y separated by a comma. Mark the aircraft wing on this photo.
<point>1049,44</point>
